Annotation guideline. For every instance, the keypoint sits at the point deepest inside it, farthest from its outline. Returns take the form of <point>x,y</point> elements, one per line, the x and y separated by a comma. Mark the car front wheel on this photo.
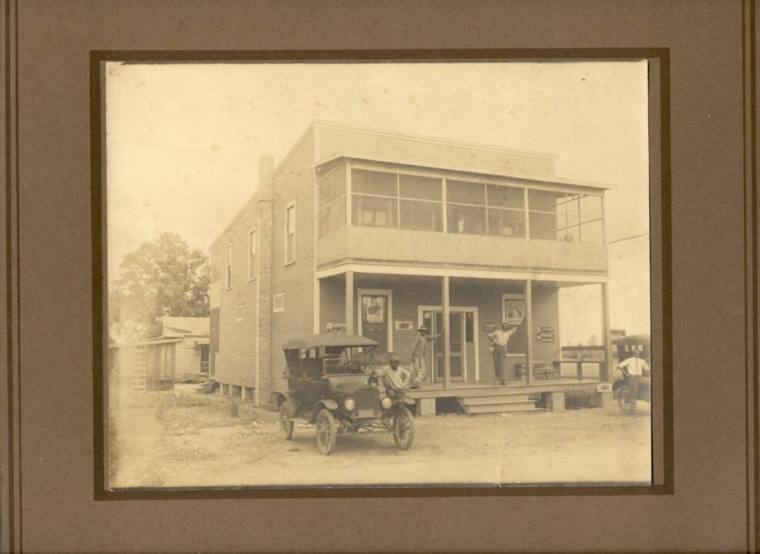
<point>286,424</point>
<point>403,428</point>
<point>624,405</point>
<point>327,431</point>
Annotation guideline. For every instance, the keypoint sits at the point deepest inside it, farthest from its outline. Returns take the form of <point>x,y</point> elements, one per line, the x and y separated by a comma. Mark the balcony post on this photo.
<point>445,309</point>
<point>529,329</point>
<point>349,302</point>
<point>606,335</point>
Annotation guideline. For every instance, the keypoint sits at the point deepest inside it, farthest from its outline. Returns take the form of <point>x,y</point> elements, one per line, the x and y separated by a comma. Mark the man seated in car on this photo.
<point>394,377</point>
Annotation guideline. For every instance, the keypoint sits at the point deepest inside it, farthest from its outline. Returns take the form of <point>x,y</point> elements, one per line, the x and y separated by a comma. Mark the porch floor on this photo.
<point>471,390</point>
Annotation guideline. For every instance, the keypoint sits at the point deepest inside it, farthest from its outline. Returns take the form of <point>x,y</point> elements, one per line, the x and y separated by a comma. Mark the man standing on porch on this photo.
<point>419,349</point>
<point>499,340</point>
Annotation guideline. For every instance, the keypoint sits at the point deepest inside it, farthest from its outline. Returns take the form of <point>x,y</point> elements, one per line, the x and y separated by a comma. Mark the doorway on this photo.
<point>464,356</point>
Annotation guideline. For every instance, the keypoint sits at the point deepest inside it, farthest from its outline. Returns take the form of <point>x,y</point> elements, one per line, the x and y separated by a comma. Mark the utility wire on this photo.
<point>628,238</point>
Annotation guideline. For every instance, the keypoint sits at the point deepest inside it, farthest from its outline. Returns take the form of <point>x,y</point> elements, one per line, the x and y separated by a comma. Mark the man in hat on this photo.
<point>499,341</point>
<point>418,351</point>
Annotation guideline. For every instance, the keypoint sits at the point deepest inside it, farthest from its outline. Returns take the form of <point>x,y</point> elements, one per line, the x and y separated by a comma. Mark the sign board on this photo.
<point>336,327</point>
<point>403,325</point>
<point>545,334</point>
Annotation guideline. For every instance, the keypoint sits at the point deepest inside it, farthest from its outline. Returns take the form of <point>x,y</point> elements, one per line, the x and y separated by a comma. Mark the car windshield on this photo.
<point>343,359</point>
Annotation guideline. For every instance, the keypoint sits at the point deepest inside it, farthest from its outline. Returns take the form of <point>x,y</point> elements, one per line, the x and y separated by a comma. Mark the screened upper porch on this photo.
<point>383,196</point>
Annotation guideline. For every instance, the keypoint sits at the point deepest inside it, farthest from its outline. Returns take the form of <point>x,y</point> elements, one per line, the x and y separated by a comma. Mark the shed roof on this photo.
<point>183,326</point>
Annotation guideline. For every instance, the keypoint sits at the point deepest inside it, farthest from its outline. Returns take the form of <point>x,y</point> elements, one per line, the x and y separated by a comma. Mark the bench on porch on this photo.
<point>540,371</point>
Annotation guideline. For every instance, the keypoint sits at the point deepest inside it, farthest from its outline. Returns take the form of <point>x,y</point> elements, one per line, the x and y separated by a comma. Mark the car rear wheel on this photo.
<point>327,431</point>
<point>403,428</point>
<point>286,424</point>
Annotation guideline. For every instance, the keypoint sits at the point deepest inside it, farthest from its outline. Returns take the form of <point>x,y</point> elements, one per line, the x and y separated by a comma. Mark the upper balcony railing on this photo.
<point>423,201</point>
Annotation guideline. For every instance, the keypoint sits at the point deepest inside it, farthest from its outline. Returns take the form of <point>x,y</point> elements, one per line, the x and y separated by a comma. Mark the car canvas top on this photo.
<point>314,341</point>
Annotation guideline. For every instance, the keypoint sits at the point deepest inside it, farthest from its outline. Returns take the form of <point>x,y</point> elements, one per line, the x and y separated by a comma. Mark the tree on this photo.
<point>162,277</point>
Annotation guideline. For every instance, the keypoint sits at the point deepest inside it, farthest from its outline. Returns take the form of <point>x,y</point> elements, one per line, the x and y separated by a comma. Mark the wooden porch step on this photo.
<point>495,399</point>
<point>501,408</point>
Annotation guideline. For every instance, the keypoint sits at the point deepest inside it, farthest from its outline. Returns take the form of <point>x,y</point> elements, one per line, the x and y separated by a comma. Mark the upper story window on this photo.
<point>251,254</point>
<point>332,198</point>
<point>482,209</point>
<point>567,217</point>
<point>374,198</point>
<point>228,268</point>
<point>390,199</point>
<point>420,203</point>
<point>290,234</point>
<point>401,200</point>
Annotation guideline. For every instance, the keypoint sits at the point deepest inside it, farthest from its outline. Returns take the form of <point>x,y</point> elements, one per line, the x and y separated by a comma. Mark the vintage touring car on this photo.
<point>329,385</point>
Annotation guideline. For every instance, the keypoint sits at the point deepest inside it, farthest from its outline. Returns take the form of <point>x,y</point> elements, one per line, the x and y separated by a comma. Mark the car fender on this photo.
<point>284,396</point>
<point>326,403</point>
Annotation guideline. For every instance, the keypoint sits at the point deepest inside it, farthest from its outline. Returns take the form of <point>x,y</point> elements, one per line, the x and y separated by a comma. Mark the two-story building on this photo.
<point>376,233</point>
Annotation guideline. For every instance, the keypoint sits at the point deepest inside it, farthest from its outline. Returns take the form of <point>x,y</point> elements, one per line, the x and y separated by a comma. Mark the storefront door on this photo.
<point>462,325</point>
<point>375,316</point>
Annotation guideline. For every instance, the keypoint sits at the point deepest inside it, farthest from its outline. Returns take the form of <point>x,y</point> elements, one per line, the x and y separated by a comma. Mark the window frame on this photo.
<point>275,297</point>
<point>290,206</point>
<point>228,266</point>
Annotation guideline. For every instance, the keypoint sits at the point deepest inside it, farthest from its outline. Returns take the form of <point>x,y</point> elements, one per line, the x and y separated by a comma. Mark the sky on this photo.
<point>183,142</point>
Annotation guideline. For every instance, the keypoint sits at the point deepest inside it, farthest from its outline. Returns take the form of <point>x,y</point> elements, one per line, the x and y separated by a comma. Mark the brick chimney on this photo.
<point>266,168</point>
<point>264,218</point>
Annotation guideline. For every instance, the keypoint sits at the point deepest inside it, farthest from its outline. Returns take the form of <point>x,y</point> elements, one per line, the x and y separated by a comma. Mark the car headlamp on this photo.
<point>349,404</point>
<point>386,402</point>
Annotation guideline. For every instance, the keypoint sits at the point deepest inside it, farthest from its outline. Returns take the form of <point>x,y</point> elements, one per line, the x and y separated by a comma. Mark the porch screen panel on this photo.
<point>591,219</point>
<point>543,214</point>
<point>374,198</point>
<point>466,207</point>
<point>332,199</point>
<point>506,215</point>
<point>420,205</point>
<point>372,211</point>
<point>565,216</point>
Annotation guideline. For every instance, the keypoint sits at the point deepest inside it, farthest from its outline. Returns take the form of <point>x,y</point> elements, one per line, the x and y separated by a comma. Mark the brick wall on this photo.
<point>332,302</point>
<point>292,182</point>
<point>235,341</point>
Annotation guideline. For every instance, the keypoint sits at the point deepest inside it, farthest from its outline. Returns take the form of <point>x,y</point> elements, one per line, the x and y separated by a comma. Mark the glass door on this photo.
<point>434,319</point>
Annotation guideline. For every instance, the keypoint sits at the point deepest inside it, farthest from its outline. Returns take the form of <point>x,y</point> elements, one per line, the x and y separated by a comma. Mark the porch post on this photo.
<point>529,329</point>
<point>445,310</point>
<point>350,302</point>
<point>606,368</point>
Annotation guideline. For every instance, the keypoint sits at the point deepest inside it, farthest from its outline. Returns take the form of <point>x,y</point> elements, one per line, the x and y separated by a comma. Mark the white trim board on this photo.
<point>453,272</point>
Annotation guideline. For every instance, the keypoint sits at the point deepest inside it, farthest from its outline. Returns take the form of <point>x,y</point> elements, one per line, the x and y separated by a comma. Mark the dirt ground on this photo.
<point>184,438</point>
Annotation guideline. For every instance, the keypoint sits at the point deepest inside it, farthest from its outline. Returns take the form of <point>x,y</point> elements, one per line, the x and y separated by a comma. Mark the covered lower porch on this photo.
<point>473,399</point>
<point>459,310</point>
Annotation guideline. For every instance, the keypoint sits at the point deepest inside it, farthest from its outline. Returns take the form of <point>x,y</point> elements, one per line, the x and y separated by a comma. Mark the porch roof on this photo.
<point>566,279</point>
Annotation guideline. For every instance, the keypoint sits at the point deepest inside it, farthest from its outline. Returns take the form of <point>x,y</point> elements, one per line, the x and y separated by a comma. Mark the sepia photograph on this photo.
<point>377,274</point>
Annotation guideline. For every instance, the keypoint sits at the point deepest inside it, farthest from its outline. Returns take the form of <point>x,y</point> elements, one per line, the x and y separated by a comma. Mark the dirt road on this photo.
<point>188,439</point>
